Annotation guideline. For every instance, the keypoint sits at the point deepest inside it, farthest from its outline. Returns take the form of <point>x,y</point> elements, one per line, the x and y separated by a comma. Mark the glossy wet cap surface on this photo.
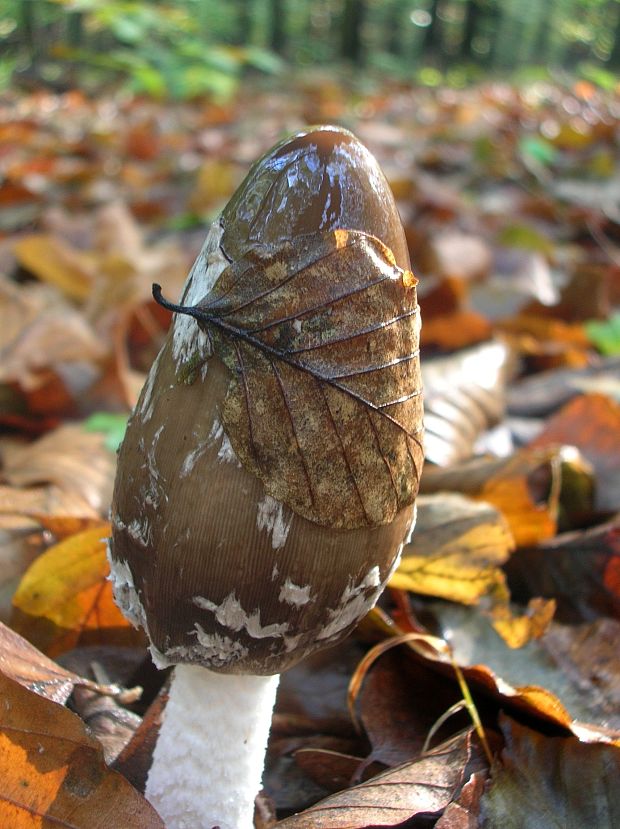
<point>320,179</point>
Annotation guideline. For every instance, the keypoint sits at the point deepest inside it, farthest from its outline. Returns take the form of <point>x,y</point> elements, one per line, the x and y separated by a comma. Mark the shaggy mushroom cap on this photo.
<point>208,552</point>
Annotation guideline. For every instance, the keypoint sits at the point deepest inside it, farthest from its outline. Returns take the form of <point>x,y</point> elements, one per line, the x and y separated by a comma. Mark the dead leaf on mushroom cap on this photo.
<point>324,404</point>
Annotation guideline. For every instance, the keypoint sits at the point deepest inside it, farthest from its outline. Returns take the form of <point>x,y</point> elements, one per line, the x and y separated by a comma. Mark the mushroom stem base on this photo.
<point>209,756</point>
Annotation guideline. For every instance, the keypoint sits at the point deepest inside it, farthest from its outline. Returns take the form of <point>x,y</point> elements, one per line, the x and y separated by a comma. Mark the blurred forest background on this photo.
<point>184,48</point>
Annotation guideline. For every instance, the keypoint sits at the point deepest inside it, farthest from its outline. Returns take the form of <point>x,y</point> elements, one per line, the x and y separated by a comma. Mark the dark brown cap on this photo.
<point>267,478</point>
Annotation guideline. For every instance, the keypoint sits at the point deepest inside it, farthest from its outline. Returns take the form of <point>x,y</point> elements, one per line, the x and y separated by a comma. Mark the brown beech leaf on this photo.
<point>324,404</point>
<point>549,782</point>
<point>53,774</point>
<point>65,597</point>
<point>21,661</point>
<point>399,703</point>
<point>426,785</point>
<point>580,570</point>
<point>464,812</point>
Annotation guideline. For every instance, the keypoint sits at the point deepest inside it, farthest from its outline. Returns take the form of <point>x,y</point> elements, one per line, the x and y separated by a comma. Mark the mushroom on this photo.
<point>267,479</point>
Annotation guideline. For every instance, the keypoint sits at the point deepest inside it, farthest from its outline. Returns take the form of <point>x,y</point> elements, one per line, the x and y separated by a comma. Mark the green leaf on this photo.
<point>605,335</point>
<point>525,237</point>
<point>537,149</point>
<point>112,425</point>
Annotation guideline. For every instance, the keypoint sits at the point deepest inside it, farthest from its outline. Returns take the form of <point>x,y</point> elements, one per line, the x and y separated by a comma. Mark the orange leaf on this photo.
<point>65,597</point>
<point>53,774</point>
<point>592,423</point>
<point>457,329</point>
<point>529,522</point>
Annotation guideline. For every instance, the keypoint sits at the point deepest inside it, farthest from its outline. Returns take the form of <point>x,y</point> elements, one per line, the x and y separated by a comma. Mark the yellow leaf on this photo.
<point>53,261</point>
<point>65,597</point>
<point>456,550</point>
<point>517,631</point>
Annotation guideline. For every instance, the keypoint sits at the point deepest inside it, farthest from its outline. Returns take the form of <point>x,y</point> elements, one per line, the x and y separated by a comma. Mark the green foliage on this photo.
<point>605,335</point>
<point>111,425</point>
<point>163,52</point>
<point>536,149</point>
<point>187,48</point>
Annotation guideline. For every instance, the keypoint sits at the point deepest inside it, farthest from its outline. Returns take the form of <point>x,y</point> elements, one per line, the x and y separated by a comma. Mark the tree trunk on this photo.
<point>277,38</point>
<point>432,34</point>
<point>394,28</point>
<point>614,57</point>
<point>351,32</point>
<point>28,28</point>
<point>473,13</point>
<point>244,23</point>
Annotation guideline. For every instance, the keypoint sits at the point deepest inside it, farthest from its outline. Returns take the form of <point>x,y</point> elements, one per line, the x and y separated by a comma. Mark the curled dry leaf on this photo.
<point>324,405</point>
<point>53,773</point>
<point>464,395</point>
<point>426,785</point>
<point>65,597</point>
<point>526,680</point>
<point>456,551</point>
<point>546,677</point>
<point>399,703</point>
<point>547,782</point>
<point>21,661</point>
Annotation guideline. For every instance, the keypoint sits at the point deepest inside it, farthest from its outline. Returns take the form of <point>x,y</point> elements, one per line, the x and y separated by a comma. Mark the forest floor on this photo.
<point>510,201</point>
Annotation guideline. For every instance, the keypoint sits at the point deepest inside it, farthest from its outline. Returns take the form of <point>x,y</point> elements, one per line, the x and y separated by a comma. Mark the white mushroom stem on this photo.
<point>208,760</point>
